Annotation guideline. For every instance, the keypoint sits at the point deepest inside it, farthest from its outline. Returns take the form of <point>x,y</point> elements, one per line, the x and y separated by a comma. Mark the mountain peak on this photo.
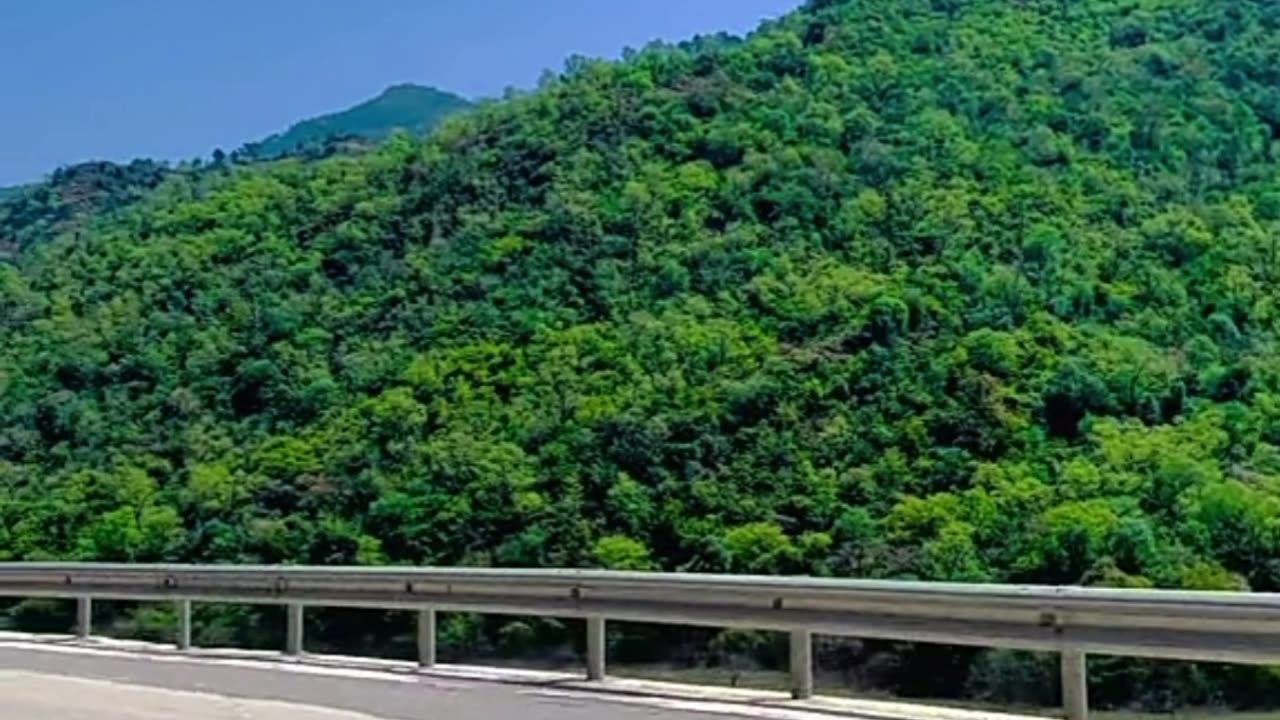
<point>408,88</point>
<point>403,106</point>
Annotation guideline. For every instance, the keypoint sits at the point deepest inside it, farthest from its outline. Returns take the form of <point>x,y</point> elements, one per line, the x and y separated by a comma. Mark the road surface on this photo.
<point>61,683</point>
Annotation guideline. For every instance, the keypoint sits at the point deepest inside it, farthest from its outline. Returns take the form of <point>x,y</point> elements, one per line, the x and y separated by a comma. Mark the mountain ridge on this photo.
<point>33,213</point>
<point>404,106</point>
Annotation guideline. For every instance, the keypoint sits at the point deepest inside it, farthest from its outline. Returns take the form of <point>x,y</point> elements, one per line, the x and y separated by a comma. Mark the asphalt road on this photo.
<point>37,683</point>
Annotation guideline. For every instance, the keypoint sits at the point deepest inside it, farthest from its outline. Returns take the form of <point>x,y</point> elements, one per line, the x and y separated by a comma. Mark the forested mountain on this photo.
<point>58,204</point>
<point>71,195</point>
<point>413,108</point>
<point>979,291</point>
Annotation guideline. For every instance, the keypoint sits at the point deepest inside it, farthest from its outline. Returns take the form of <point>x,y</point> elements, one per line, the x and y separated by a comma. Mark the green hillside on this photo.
<point>69,198</point>
<point>413,108</point>
<point>59,204</point>
<point>973,291</point>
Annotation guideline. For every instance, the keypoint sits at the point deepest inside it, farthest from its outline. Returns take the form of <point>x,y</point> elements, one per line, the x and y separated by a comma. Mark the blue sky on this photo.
<point>116,79</point>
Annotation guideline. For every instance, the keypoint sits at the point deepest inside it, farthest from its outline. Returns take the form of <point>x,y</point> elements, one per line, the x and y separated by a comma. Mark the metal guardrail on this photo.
<point>1073,621</point>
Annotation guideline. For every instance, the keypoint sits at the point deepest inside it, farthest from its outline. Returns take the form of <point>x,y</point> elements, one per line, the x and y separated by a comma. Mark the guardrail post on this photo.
<point>293,632</point>
<point>426,637</point>
<point>595,648</point>
<point>801,664</point>
<point>84,617</point>
<point>1075,685</point>
<point>184,625</point>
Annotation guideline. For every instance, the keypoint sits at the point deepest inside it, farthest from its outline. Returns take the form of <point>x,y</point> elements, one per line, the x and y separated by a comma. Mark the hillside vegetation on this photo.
<point>973,291</point>
<point>70,197</point>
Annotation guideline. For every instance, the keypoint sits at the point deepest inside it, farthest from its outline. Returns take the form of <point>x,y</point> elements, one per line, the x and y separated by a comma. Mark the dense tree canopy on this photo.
<point>936,289</point>
<point>69,197</point>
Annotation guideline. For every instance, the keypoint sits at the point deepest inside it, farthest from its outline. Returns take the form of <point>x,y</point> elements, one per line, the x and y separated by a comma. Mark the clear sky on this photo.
<point>172,79</point>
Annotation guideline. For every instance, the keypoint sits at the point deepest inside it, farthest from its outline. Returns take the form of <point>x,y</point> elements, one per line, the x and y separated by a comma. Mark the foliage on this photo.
<point>72,195</point>
<point>69,197</point>
<point>891,288</point>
